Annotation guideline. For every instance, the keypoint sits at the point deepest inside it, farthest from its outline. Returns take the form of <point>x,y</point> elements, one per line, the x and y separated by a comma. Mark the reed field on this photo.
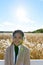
<point>34,41</point>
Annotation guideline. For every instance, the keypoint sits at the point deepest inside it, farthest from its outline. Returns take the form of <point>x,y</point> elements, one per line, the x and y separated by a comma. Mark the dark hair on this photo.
<point>18,31</point>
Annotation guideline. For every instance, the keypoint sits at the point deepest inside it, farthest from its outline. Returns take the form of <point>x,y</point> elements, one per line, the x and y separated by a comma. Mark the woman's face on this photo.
<point>17,39</point>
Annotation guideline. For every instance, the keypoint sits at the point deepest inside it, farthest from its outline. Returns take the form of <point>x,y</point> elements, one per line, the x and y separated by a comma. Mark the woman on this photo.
<point>17,53</point>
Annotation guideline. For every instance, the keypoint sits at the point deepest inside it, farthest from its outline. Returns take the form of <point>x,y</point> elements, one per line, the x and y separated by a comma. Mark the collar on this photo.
<point>18,46</point>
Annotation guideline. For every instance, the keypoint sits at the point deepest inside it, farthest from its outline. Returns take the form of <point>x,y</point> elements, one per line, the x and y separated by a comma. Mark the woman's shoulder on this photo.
<point>25,47</point>
<point>8,48</point>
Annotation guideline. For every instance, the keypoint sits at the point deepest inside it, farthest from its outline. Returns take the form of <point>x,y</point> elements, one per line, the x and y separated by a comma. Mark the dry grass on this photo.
<point>5,41</point>
<point>33,41</point>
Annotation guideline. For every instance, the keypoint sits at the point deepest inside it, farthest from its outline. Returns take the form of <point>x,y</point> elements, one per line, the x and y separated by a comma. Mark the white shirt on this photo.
<point>14,53</point>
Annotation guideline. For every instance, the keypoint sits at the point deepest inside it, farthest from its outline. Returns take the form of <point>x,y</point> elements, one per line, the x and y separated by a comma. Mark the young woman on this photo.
<point>17,53</point>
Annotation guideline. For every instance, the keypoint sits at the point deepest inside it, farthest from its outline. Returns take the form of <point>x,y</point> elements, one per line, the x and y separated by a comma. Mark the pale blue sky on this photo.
<point>26,15</point>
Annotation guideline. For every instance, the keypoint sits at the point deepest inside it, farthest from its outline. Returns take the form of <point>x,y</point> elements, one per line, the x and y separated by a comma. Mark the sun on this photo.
<point>20,14</point>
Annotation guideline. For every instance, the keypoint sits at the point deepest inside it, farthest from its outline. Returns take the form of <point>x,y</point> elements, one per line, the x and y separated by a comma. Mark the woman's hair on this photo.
<point>18,31</point>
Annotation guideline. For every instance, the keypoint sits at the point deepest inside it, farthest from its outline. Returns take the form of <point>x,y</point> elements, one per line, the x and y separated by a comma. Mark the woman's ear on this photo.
<point>23,38</point>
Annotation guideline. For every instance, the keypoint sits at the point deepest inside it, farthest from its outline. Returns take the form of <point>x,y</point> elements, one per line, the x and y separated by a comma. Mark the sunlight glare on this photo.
<point>20,14</point>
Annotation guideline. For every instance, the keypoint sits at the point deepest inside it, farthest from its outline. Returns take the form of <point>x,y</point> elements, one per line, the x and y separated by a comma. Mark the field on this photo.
<point>34,41</point>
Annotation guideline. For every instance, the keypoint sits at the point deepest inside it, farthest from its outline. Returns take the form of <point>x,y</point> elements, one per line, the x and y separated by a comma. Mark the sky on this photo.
<point>26,15</point>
